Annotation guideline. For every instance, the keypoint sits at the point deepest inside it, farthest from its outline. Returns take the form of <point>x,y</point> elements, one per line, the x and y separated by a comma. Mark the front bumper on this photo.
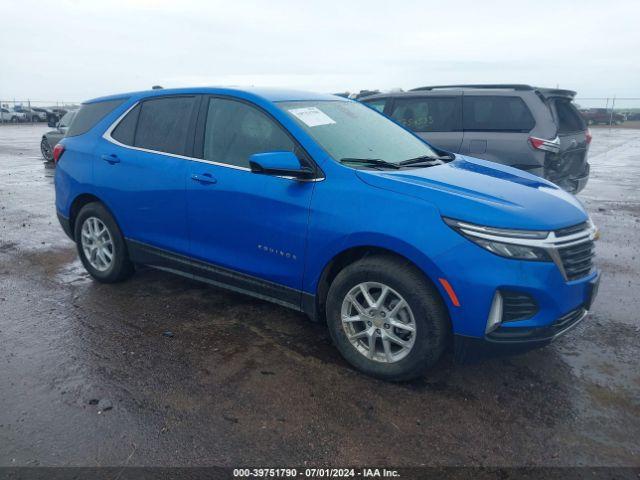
<point>476,275</point>
<point>509,341</point>
<point>537,335</point>
<point>560,305</point>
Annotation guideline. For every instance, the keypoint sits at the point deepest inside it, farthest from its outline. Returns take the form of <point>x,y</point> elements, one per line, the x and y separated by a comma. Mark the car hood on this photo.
<point>485,193</point>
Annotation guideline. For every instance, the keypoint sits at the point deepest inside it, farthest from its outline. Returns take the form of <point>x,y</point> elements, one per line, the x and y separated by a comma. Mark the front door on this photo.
<point>247,230</point>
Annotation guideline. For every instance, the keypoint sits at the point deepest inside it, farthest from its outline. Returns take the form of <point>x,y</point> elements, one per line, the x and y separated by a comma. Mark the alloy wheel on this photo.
<point>378,322</point>
<point>97,244</point>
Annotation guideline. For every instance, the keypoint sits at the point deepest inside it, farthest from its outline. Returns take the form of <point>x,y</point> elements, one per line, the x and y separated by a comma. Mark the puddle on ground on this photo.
<point>73,274</point>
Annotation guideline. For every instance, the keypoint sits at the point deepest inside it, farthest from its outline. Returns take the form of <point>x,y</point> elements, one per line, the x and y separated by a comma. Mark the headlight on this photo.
<point>504,242</point>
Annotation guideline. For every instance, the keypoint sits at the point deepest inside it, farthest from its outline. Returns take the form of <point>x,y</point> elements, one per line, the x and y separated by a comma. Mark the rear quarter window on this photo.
<point>126,130</point>
<point>90,114</point>
<point>496,114</point>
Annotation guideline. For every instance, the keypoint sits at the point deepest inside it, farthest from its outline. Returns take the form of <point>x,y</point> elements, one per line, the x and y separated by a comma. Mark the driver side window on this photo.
<point>234,131</point>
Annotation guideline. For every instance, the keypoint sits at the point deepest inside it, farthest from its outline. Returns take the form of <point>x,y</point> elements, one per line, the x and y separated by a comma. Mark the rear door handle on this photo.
<point>205,178</point>
<point>112,159</point>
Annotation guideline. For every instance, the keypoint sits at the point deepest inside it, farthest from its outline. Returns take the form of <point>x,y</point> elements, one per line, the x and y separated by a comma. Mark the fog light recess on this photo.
<point>495,313</point>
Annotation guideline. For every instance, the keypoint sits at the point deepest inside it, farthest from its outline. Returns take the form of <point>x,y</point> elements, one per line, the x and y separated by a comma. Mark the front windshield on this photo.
<point>350,130</point>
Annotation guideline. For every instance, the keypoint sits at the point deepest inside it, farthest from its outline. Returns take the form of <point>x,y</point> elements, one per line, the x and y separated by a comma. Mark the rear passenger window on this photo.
<point>126,129</point>
<point>433,114</point>
<point>377,104</point>
<point>568,117</point>
<point>235,130</point>
<point>496,114</point>
<point>163,124</point>
<point>90,114</point>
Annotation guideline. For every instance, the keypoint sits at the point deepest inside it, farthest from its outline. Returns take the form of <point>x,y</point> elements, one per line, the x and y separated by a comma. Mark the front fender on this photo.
<point>374,240</point>
<point>347,214</point>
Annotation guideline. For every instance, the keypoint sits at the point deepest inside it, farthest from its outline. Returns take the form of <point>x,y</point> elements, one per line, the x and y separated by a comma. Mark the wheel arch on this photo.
<point>352,254</point>
<point>80,201</point>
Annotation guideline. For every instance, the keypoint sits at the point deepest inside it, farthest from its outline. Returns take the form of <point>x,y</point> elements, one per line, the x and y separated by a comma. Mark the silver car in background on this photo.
<point>538,130</point>
<point>51,138</point>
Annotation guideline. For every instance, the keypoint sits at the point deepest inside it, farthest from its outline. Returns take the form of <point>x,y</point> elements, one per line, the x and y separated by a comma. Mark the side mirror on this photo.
<point>285,164</point>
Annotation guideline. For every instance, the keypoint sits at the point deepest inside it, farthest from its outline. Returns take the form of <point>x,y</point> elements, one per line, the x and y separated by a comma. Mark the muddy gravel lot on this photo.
<point>165,371</point>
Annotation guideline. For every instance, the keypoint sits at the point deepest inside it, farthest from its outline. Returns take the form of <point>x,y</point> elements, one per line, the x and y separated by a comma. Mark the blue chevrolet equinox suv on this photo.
<point>326,206</point>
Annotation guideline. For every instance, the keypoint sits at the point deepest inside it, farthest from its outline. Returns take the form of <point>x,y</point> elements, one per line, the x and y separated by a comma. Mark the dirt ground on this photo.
<point>88,375</point>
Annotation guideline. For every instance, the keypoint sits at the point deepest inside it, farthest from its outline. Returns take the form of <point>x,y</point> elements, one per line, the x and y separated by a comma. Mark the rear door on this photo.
<point>436,118</point>
<point>570,163</point>
<point>140,172</point>
<point>496,128</point>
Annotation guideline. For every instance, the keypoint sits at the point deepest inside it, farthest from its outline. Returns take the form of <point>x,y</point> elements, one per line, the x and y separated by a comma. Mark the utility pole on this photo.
<point>613,104</point>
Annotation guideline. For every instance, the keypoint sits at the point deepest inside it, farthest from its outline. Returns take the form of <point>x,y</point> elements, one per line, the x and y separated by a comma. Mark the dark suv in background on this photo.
<point>538,130</point>
<point>594,116</point>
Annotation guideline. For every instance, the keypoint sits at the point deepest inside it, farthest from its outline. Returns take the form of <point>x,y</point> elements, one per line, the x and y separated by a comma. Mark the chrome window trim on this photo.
<point>107,136</point>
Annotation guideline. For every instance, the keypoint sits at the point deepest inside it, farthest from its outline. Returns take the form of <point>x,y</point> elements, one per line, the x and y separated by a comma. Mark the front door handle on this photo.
<point>112,159</point>
<point>205,178</point>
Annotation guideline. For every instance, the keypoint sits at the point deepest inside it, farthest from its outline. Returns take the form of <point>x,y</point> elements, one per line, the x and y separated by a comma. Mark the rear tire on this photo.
<point>101,245</point>
<point>417,349</point>
<point>46,150</point>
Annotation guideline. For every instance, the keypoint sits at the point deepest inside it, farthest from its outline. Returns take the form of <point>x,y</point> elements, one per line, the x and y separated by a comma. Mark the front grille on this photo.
<point>577,260</point>
<point>517,306</point>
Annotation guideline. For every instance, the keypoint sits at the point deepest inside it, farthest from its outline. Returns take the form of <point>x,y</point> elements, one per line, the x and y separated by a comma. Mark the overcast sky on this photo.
<point>75,50</point>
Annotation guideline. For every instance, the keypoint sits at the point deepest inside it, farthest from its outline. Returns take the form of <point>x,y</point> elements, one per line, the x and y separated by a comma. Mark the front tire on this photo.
<point>386,319</point>
<point>101,245</point>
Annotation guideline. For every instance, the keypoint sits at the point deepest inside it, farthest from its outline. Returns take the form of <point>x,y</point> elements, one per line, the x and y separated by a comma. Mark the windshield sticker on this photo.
<point>312,116</point>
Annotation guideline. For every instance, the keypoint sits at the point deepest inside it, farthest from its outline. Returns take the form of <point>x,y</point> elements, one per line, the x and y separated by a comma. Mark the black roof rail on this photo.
<point>512,86</point>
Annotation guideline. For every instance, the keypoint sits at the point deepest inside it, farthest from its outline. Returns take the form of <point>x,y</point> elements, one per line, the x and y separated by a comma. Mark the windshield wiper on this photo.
<point>373,162</point>
<point>425,160</point>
